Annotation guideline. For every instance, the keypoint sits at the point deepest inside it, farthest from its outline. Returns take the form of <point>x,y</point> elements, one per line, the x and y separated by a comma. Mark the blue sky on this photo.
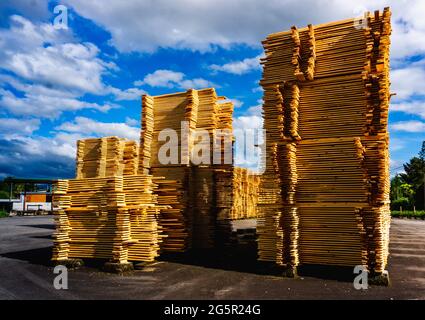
<point>60,85</point>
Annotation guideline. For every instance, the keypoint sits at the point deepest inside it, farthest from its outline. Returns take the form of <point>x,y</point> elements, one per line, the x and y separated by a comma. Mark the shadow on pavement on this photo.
<point>41,226</point>
<point>40,256</point>
<point>243,258</point>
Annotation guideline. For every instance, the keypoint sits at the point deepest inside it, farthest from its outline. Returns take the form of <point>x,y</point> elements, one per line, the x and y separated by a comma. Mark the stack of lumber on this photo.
<point>107,212</point>
<point>162,117</point>
<point>130,158</point>
<point>270,206</point>
<point>106,157</point>
<point>90,152</point>
<point>324,195</point>
<point>176,223</point>
<point>202,200</point>
<point>113,218</point>
<point>201,167</point>
<point>237,194</point>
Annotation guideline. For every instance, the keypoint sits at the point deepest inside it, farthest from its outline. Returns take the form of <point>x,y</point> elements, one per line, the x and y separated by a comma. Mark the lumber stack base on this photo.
<point>143,265</point>
<point>379,279</point>
<point>290,271</point>
<point>119,268</point>
<point>69,263</point>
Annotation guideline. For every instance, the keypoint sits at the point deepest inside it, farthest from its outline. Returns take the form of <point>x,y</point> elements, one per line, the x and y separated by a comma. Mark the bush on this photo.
<point>4,194</point>
<point>408,214</point>
<point>401,202</point>
<point>3,214</point>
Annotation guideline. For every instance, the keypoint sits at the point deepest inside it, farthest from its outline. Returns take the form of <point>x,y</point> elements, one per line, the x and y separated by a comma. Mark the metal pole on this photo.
<point>10,191</point>
<point>25,198</point>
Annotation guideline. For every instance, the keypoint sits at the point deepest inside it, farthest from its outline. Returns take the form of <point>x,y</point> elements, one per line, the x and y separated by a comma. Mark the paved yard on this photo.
<point>25,272</point>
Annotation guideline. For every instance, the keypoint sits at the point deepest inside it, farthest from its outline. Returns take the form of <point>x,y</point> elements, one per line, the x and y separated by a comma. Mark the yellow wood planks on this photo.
<point>324,194</point>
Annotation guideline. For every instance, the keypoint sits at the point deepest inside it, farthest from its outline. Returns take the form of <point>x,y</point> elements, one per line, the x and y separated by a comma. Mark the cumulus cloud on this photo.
<point>69,66</point>
<point>90,127</point>
<point>248,133</point>
<point>13,126</point>
<point>200,25</point>
<point>52,71</point>
<point>38,157</point>
<point>23,154</point>
<point>131,122</point>
<point>408,126</point>
<point>409,80</point>
<point>413,108</point>
<point>128,94</point>
<point>172,79</point>
<point>46,106</point>
<point>236,103</point>
<point>239,67</point>
<point>40,53</point>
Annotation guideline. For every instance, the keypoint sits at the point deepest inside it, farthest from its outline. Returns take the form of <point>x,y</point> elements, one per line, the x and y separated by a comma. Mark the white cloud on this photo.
<point>239,67</point>
<point>414,108</point>
<point>258,89</point>
<point>42,54</point>
<point>236,103</point>
<point>409,81</point>
<point>37,156</point>
<point>201,25</point>
<point>90,127</point>
<point>172,79</point>
<point>46,106</point>
<point>197,83</point>
<point>131,122</point>
<point>69,66</point>
<point>128,94</point>
<point>52,71</point>
<point>249,125</point>
<point>408,126</point>
<point>163,78</point>
<point>12,126</point>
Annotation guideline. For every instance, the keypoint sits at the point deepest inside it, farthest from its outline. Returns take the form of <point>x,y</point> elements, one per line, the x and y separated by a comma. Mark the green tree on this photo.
<point>396,182</point>
<point>414,175</point>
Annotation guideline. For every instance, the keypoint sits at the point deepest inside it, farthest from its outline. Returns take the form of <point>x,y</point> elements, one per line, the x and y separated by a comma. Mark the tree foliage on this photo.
<point>410,184</point>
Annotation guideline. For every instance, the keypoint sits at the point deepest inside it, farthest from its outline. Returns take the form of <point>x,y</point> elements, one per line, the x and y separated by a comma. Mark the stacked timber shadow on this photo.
<point>324,196</point>
<point>127,204</point>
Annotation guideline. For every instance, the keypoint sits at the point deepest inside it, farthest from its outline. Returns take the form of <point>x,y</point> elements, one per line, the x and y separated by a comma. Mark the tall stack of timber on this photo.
<point>172,117</point>
<point>324,196</point>
<point>193,162</point>
<point>202,180</point>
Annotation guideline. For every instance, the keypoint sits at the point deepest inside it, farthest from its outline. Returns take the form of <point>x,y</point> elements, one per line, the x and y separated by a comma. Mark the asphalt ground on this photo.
<point>26,271</point>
